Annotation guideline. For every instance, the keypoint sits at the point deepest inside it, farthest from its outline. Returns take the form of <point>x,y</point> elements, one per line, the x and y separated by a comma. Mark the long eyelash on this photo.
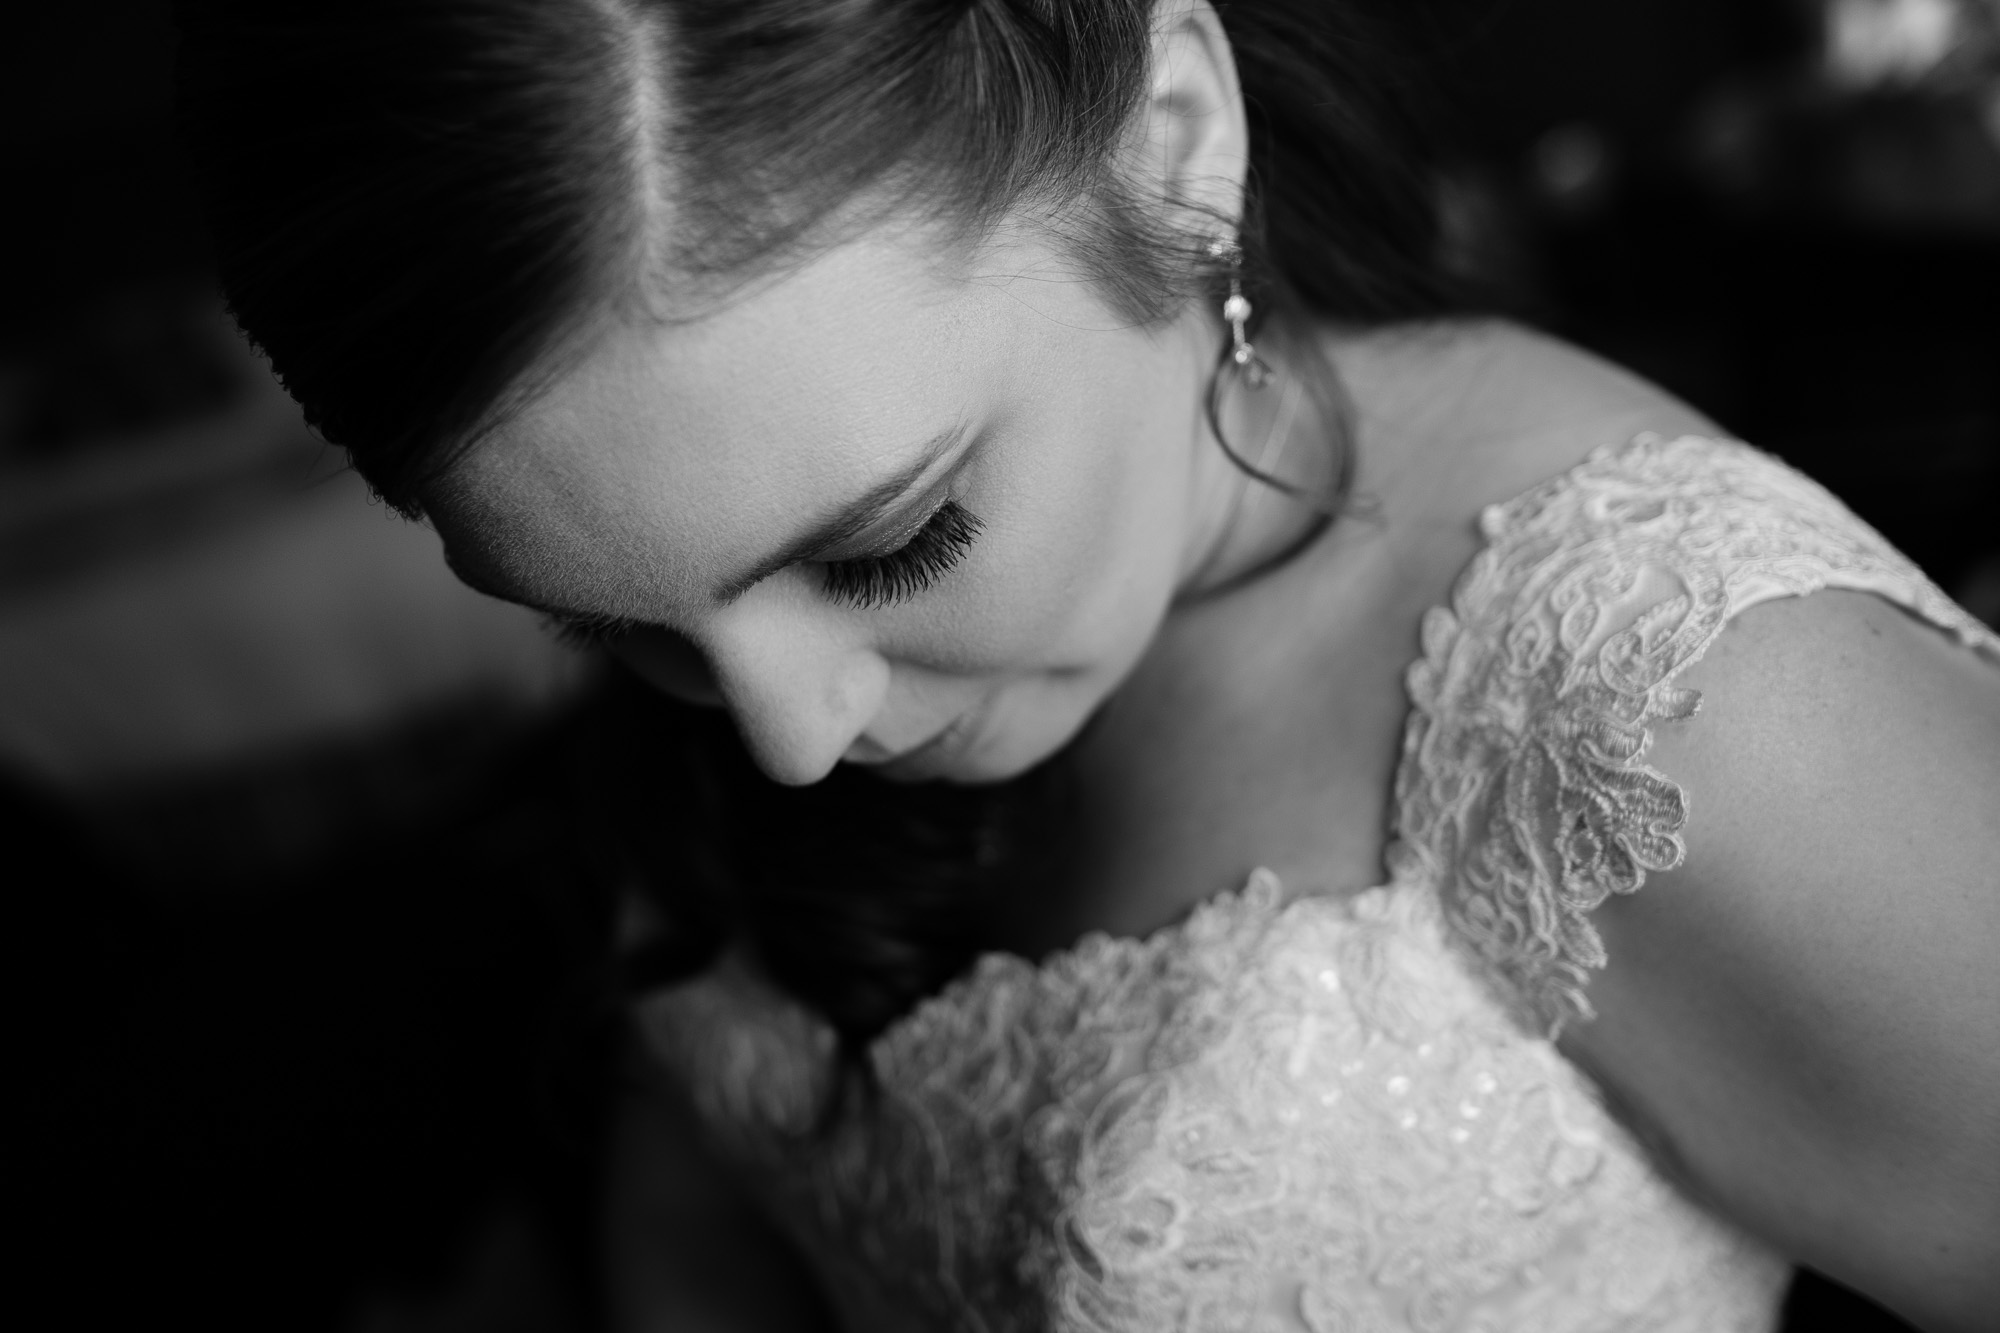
<point>903,573</point>
<point>587,632</point>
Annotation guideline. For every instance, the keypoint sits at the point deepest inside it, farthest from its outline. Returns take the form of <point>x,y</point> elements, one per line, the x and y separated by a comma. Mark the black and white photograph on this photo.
<point>1002,666</point>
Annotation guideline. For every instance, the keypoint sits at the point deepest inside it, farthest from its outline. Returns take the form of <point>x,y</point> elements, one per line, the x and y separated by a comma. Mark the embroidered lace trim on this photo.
<point>1524,793</point>
<point>1300,1117</point>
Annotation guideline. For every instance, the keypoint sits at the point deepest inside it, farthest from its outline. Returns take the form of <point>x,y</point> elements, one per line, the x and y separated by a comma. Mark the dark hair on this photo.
<point>859,896</point>
<point>416,203</point>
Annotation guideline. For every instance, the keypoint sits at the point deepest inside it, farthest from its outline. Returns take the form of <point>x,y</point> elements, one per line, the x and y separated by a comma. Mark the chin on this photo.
<point>926,768</point>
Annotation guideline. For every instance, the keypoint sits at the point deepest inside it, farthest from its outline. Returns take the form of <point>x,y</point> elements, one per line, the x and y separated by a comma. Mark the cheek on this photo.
<point>1103,527</point>
<point>1080,553</point>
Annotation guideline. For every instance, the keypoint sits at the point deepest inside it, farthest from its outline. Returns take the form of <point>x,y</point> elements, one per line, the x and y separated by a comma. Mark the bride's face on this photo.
<point>886,509</point>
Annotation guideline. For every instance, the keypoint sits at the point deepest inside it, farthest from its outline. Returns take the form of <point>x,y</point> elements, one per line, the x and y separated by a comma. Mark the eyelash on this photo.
<point>586,633</point>
<point>930,553</point>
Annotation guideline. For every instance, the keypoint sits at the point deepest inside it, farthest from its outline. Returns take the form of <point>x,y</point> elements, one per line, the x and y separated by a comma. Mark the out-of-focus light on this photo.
<point>1872,43</point>
<point>1572,166</point>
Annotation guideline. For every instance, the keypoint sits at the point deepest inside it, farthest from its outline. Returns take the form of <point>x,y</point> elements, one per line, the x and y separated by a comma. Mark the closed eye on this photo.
<point>879,580</point>
<point>898,575</point>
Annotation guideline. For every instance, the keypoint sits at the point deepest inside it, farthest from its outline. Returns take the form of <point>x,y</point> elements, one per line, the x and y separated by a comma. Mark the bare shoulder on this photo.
<point>1804,1014</point>
<point>1460,414</point>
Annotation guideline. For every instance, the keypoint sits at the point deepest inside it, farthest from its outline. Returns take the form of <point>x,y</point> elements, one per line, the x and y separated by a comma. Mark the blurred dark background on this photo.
<point>302,1017</point>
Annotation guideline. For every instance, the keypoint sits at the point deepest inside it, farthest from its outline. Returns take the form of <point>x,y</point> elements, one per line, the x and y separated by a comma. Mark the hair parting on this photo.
<point>420,207</point>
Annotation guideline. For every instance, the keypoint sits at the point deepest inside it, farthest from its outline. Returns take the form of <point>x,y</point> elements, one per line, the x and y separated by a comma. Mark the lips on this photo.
<point>876,758</point>
<point>923,760</point>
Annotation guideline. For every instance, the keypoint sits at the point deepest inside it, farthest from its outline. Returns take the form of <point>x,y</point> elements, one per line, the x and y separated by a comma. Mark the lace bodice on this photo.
<point>1331,1114</point>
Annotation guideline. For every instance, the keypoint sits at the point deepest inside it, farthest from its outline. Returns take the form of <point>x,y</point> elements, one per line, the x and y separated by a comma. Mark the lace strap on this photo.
<point>1523,791</point>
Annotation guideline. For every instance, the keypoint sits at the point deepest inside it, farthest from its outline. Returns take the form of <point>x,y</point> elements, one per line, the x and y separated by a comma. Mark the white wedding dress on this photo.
<point>1333,1114</point>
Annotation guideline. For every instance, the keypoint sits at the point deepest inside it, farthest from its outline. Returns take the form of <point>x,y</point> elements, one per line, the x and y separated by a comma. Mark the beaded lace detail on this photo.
<point>1333,1113</point>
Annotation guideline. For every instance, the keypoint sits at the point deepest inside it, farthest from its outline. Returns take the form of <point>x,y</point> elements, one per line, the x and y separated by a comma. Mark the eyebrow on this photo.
<point>850,520</point>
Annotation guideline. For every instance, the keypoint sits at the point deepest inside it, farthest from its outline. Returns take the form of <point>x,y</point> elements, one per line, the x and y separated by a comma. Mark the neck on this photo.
<point>1438,418</point>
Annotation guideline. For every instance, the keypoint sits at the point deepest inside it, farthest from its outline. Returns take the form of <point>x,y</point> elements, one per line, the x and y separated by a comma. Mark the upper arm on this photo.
<point>1805,1016</point>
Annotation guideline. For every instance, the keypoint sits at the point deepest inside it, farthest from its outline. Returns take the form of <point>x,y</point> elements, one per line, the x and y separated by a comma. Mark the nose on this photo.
<point>800,696</point>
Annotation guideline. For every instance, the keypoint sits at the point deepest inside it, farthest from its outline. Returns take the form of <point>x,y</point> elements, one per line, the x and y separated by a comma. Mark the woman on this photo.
<point>940,386</point>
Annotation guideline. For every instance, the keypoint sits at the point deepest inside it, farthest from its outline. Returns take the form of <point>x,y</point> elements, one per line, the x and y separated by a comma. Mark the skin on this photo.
<point>675,457</point>
<point>1260,726</point>
<point>672,460</point>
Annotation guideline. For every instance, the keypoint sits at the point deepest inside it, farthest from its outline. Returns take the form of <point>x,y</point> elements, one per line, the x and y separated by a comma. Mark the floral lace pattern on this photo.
<point>1328,1115</point>
<point>1524,791</point>
<point>1293,1116</point>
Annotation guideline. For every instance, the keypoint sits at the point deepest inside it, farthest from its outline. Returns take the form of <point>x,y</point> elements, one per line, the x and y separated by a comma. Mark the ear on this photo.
<point>1195,142</point>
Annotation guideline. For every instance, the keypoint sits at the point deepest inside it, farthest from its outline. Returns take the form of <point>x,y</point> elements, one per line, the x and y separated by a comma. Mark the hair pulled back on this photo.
<point>415,202</point>
<point>417,205</point>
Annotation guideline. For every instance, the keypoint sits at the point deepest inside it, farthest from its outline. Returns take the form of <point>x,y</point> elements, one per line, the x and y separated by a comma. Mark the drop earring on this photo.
<point>1236,311</point>
<point>1241,364</point>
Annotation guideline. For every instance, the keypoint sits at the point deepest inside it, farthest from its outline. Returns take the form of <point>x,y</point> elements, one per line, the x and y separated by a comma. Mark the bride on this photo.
<point>1518,859</point>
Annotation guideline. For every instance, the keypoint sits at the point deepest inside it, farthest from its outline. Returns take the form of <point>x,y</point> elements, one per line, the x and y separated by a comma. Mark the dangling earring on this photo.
<point>1236,311</point>
<point>1240,363</point>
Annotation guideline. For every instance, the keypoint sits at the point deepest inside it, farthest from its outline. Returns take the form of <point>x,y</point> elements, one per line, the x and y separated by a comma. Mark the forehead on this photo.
<point>670,447</point>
